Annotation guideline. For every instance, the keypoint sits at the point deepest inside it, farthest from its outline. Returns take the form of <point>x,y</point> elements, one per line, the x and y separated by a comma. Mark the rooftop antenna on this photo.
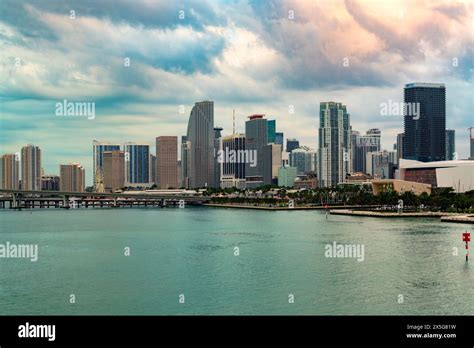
<point>233,121</point>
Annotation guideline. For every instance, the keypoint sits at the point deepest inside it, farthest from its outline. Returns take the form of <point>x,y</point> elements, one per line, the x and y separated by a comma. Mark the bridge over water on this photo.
<point>18,199</point>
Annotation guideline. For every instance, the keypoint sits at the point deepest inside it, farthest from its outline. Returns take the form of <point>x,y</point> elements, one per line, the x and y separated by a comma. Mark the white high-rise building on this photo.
<point>334,152</point>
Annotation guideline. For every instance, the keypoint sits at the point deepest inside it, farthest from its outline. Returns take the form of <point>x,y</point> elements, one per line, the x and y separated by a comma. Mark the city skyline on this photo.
<point>151,94</point>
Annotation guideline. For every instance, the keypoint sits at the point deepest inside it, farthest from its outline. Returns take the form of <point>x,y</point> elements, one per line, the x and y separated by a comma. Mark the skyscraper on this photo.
<point>303,159</point>
<point>334,155</point>
<point>425,132</point>
<point>400,137</point>
<point>9,172</point>
<point>151,169</point>
<point>72,177</point>
<point>279,139</point>
<point>30,168</point>
<point>185,148</point>
<point>217,166</point>
<point>363,144</point>
<point>137,164</point>
<point>113,167</point>
<point>256,138</point>
<point>292,144</point>
<point>98,148</point>
<point>271,129</point>
<point>450,144</point>
<point>272,163</point>
<point>200,136</point>
<point>233,172</point>
<point>166,162</point>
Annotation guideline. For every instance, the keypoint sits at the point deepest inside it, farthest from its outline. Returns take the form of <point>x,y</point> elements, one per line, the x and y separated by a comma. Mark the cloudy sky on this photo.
<point>252,56</point>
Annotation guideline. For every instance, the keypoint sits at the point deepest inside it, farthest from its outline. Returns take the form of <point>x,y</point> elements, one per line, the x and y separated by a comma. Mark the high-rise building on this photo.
<point>304,160</point>
<point>151,168</point>
<point>72,177</point>
<point>200,136</point>
<point>99,147</point>
<point>450,144</point>
<point>279,138</point>
<point>256,138</point>
<point>217,166</point>
<point>292,144</point>
<point>137,164</point>
<point>271,163</point>
<point>363,144</point>
<point>373,136</point>
<point>400,137</point>
<point>30,168</point>
<point>425,131</point>
<point>50,182</point>
<point>334,152</point>
<point>233,172</point>
<point>113,167</point>
<point>9,172</point>
<point>286,176</point>
<point>185,149</point>
<point>166,162</point>
<point>381,164</point>
<point>271,131</point>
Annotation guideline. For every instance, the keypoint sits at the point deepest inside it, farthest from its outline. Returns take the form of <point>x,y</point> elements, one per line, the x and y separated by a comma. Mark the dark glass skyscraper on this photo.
<point>425,132</point>
<point>271,129</point>
<point>292,144</point>
<point>279,138</point>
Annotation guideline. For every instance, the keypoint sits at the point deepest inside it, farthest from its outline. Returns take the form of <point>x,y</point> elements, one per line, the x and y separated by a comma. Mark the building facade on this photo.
<point>50,182</point>
<point>425,132</point>
<point>72,177</point>
<point>113,167</point>
<point>30,168</point>
<point>98,148</point>
<point>256,138</point>
<point>304,159</point>
<point>137,164</point>
<point>450,144</point>
<point>286,176</point>
<point>166,162</point>
<point>334,152</point>
<point>9,172</point>
<point>292,144</point>
<point>279,138</point>
<point>233,172</point>
<point>200,138</point>
<point>271,129</point>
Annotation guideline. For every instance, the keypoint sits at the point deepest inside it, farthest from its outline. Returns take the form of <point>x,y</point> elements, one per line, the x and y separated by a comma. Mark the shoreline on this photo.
<point>257,207</point>
<point>444,216</point>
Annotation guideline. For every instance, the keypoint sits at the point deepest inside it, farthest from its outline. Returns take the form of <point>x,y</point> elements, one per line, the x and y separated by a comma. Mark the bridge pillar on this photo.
<point>66,202</point>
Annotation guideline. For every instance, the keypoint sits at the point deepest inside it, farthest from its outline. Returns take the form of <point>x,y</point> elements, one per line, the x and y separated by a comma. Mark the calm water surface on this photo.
<point>191,251</point>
